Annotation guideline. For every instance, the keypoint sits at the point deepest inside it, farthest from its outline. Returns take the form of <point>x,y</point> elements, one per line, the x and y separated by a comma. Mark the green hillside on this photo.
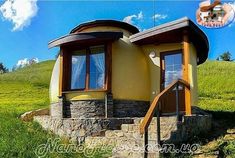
<point>27,89</point>
<point>216,85</point>
<point>21,91</point>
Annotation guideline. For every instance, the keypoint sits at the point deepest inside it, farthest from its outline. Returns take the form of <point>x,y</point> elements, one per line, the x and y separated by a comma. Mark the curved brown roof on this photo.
<point>113,23</point>
<point>85,37</point>
<point>172,32</point>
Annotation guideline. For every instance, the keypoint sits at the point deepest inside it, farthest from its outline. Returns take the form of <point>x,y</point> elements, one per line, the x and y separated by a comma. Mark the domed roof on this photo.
<point>113,23</point>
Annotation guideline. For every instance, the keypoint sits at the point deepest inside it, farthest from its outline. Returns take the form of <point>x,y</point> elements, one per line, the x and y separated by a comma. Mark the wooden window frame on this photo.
<point>67,68</point>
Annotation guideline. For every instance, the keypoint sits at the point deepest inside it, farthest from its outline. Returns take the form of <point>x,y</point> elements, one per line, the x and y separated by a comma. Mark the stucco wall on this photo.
<point>54,84</point>
<point>130,72</point>
<point>154,67</point>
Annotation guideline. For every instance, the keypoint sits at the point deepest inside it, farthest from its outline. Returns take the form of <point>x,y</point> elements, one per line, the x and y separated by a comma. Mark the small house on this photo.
<point>109,69</point>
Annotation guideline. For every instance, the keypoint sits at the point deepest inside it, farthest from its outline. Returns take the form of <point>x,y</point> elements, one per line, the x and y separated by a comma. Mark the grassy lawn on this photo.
<point>27,89</point>
<point>216,85</point>
<point>21,91</point>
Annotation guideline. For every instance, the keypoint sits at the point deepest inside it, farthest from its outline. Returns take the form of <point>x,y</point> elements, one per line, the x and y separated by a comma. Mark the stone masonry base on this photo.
<point>96,109</point>
<point>123,133</point>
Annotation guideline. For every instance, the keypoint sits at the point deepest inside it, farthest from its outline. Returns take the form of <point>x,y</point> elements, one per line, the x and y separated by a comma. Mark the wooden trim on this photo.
<point>61,73</point>
<point>108,67</point>
<point>66,73</point>
<point>87,68</point>
<point>186,50</point>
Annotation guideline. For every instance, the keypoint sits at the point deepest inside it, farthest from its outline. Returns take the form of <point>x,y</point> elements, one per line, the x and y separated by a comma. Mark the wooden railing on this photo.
<point>155,104</point>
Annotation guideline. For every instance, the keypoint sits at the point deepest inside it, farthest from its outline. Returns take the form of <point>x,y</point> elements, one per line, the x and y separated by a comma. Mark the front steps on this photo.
<point>123,133</point>
<point>129,143</point>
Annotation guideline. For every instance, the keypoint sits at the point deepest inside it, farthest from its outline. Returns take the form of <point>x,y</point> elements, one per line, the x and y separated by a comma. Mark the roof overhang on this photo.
<point>172,32</point>
<point>87,37</point>
<point>113,23</point>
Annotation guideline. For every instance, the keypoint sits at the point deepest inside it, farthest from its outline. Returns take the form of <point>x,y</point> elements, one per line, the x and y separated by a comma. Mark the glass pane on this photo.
<point>97,67</point>
<point>78,76</point>
<point>173,68</point>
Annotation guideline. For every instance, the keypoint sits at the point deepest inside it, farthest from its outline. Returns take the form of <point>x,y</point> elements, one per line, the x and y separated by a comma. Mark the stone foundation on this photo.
<point>76,130</point>
<point>84,109</point>
<point>120,132</point>
<point>97,109</point>
<point>130,108</point>
<point>56,109</point>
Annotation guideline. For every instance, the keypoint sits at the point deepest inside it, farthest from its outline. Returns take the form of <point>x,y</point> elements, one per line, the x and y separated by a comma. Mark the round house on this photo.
<point>107,68</point>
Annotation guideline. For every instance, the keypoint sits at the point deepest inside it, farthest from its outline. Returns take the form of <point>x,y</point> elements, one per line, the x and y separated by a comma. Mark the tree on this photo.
<point>226,56</point>
<point>3,69</point>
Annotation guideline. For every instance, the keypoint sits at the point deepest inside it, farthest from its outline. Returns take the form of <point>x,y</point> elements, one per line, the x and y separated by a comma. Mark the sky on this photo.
<point>26,26</point>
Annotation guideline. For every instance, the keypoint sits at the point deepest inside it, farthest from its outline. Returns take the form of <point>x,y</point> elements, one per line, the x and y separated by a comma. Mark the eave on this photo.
<point>173,32</point>
<point>87,37</point>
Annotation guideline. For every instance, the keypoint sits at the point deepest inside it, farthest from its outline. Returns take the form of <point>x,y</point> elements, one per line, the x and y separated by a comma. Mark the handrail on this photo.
<point>149,115</point>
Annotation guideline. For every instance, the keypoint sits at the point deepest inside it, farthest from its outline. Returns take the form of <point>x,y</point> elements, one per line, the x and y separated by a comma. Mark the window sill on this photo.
<point>83,91</point>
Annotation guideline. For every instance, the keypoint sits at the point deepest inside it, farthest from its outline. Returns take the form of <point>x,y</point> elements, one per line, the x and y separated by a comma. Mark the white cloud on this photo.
<point>25,62</point>
<point>159,16</point>
<point>131,19</point>
<point>19,12</point>
<point>140,15</point>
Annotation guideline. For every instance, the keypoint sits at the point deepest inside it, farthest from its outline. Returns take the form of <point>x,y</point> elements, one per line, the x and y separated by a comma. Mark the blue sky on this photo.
<point>56,18</point>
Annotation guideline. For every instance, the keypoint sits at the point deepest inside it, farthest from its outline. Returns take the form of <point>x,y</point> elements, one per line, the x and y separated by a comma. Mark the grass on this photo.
<point>21,91</point>
<point>216,85</point>
<point>27,89</point>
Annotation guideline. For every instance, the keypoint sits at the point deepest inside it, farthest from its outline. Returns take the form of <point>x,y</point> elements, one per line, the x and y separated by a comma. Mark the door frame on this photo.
<point>162,61</point>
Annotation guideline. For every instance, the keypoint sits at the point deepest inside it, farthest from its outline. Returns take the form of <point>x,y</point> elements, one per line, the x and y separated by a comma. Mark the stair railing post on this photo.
<point>177,100</point>
<point>146,143</point>
<point>158,124</point>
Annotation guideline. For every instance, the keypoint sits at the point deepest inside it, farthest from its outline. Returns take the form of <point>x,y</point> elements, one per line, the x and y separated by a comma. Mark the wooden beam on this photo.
<point>87,69</point>
<point>61,73</point>
<point>108,68</point>
<point>186,55</point>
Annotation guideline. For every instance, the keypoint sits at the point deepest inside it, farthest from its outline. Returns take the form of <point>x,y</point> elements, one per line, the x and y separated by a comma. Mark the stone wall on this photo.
<point>130,108</point>
<point>28,116</point>
<point>129,143</point>
<point>77,129</point>
<point>123,134</point>
<point>97,109</point>
<point>56,109</point>
<point>84,109</point>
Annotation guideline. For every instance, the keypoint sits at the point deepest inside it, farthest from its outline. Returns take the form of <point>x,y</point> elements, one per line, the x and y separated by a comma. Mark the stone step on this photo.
<point>129,137</point>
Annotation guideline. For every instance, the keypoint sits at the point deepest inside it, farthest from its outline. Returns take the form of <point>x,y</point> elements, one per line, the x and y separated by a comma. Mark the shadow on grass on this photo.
<point>222,121</point>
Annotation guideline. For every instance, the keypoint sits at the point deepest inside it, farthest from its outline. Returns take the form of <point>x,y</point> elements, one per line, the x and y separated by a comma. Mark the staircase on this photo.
<point>129,143</point>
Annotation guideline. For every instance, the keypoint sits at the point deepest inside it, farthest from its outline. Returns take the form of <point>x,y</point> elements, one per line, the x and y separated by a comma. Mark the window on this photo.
<point>88,69</point>
<point>97,68</point>
<point>173,68</point>
<point>78,77</point>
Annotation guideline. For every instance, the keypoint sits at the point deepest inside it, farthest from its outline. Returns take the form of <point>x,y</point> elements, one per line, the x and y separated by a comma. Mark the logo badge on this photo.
<point>214,14</point>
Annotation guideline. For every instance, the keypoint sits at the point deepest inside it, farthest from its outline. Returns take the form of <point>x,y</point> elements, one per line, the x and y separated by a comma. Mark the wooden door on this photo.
<point>172,69</point>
